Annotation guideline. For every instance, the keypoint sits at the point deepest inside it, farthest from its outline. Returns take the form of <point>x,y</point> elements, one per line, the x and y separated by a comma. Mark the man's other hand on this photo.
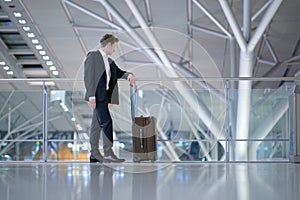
<point>92,103</point>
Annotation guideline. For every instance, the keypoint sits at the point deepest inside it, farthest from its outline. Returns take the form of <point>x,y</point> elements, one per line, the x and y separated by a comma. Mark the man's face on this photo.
<point>111,48</point>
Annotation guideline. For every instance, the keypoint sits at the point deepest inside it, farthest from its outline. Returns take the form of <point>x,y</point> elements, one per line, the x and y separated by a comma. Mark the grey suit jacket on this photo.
<point>95,78</point>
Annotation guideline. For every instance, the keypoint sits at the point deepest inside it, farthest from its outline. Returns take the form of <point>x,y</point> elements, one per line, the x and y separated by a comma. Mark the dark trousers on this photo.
<point>101,120</point>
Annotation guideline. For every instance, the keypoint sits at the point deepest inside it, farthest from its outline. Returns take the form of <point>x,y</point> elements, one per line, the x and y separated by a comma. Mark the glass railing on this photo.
<point>197,119</point>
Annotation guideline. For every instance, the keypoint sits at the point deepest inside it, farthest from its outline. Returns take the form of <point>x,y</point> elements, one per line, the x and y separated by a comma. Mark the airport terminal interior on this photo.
<point>219,78</point>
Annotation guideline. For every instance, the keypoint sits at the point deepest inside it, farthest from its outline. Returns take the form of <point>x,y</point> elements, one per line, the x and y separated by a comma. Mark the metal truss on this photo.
<point>247,44</point>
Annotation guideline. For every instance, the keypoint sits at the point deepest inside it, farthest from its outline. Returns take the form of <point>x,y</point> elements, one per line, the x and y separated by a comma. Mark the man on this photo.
<point>100,79</point>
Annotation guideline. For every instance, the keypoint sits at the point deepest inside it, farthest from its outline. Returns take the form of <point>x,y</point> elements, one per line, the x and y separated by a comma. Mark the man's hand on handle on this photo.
<point>131,79</point>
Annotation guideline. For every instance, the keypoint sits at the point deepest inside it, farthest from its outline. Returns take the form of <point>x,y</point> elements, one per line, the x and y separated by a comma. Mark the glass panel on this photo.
<point>21,151</point>
<point>21,118</point>
<point>267,150</point>
<point>67,151</point>
<point>268,123</point>
<point>192,124</point>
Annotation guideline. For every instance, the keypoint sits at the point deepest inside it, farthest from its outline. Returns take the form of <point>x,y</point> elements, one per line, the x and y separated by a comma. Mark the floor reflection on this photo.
<point>148,181</point>
<point>101,182</point>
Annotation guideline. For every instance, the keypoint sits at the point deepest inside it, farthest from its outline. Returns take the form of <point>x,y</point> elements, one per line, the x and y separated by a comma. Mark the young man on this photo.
<point>100,79</point>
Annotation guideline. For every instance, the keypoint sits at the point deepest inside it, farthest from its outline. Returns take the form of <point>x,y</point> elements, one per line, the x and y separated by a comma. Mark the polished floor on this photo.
<point>149,181</point>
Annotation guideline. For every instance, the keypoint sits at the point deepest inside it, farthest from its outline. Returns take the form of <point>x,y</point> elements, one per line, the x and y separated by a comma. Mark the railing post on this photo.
<point>227,149</point>
<point>45,122</point>
<point>295,127</point>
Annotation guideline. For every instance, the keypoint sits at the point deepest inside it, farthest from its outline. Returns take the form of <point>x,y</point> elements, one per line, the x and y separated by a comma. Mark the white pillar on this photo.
<point>244,104</point>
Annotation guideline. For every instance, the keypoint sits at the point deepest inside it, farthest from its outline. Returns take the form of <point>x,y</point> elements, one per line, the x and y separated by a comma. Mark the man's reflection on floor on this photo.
<point>101,182</point>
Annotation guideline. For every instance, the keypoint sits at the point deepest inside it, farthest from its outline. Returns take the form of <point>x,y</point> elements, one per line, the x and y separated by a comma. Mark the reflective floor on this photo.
<point>149,181</point>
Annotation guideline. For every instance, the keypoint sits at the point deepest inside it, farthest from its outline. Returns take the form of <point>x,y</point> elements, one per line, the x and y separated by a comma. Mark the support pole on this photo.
<point>295,134</point>
<point>45,121</point>
<point>247,20</point>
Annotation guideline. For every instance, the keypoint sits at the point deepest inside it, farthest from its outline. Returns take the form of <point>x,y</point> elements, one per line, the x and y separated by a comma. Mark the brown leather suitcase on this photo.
<point>143,133</point>
<point>144,139</point>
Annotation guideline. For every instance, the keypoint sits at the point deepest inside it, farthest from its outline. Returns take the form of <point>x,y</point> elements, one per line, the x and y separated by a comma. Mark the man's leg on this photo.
<point>94,140</point>
<point>106,123</point>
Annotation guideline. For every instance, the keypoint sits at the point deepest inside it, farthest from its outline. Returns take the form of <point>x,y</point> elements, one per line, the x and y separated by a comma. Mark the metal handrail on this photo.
<point>168,79</point>
<point>159,140</point>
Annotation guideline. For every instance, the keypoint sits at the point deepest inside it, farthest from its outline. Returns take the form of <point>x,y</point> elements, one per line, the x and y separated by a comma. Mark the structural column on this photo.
<point>244,104</point>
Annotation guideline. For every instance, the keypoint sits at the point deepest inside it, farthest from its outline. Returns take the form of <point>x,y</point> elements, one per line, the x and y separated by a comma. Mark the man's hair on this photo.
<point>108,38</point>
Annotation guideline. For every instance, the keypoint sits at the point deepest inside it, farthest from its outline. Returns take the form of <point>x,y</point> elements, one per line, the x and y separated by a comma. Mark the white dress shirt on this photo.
<point>107,67</point>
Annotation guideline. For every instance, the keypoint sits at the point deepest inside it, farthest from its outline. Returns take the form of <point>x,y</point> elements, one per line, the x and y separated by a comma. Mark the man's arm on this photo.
<point>89,79</point>
<point>125,75</point>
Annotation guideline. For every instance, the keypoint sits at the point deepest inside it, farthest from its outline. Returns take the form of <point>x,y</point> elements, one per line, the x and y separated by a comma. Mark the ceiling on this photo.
<point>67,29</point>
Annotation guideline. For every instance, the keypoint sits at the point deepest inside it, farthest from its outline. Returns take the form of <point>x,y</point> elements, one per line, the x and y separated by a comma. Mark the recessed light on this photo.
<point>30,35</point>
<point>17,14</point>
<point>6,67</point>
<point>38,47</point>
<point>55,73</point>
<point>22,21</point>
<point>48,83</point>
<point>49,63</point>
<point>2,63</point>
<point>35,41</point>
<point>52,68</point>
<point>43,53</point>
<point>26,28</point>
<point>46,57</point>
<point>10,72</point>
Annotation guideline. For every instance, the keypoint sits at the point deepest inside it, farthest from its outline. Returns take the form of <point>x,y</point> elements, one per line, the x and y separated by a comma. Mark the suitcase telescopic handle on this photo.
<point>133,101</point>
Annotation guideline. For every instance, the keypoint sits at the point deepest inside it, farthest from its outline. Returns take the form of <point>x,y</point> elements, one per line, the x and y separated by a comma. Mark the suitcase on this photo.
<point>143,133</point>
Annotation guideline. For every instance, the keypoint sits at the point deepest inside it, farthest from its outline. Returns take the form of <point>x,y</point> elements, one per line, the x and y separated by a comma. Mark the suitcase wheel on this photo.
<point>136,160</point>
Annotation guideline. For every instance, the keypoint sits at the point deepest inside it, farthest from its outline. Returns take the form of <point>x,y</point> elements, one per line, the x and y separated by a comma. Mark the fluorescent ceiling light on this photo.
<point>35,72</point>
<point>55,73</point>
<point>35,41</point>
<point>49,63</point>
<point>30,35</point>
<point>43,53</point>
<point>6,67</point>
<point>17,14</point>
<point>22,21</point>
<point>46,57</point>
<point>37,83</point>
<point>2,63</point>
<point>38,47</point>
<point>26,28</point>
<point>52,68</point>
<point>10,72</point>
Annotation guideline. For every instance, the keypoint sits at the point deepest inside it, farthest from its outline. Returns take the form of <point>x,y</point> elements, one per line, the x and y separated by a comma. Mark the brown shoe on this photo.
<point>111,156</point>
<point>97,157</point>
